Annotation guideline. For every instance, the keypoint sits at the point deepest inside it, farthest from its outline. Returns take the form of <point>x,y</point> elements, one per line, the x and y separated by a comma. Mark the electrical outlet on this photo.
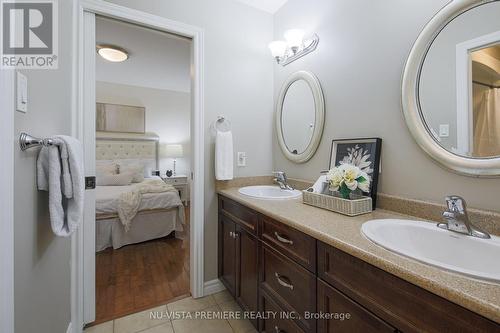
<point>242,159</point>
<point>444,130</point>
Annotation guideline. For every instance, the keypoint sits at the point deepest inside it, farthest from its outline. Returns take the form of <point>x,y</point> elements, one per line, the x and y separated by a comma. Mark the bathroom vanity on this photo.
<point>308,264</point>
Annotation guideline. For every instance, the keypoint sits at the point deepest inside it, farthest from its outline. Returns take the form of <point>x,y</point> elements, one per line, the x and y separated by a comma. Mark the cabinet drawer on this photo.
<point>245,217</point>
<point>291,242</point>
<point>398,302</point>
<point>276,320</point>
<point>291,285</point>
<point>333,302</point>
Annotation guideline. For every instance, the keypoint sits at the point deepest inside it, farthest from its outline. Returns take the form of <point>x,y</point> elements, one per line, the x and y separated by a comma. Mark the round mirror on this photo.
<point>451,87</point>
<point>300,114</point>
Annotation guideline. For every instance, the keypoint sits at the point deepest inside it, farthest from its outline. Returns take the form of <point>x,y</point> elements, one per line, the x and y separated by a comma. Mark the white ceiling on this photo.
<point>157,60</point>
<point>270,6</point>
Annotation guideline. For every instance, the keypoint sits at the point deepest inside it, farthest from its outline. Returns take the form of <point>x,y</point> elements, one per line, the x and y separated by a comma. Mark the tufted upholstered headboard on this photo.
<point>127,147</point>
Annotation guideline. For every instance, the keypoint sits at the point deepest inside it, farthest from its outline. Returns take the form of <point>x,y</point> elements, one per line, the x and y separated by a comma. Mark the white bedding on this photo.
<point>107,199</point>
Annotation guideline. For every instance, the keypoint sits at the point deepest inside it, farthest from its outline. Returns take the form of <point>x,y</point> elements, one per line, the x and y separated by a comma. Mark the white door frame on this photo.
<point>9,143</point>
<point>464,88</point>
<point>83,300</point>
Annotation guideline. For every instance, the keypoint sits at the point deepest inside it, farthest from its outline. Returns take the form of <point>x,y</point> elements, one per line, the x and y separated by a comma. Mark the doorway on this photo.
<point>84,242</point>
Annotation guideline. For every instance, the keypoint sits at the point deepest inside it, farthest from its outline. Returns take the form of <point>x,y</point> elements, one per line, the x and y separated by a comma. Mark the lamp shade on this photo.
<point>294,38</point>
<point>171,150</point>
<point>278,48</point>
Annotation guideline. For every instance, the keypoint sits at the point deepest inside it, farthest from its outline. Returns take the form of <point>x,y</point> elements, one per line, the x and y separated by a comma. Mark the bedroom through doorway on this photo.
<point>143,163</point>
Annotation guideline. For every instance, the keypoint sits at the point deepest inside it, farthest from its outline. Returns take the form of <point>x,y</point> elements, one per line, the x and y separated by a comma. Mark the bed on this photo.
<point>159,214</point>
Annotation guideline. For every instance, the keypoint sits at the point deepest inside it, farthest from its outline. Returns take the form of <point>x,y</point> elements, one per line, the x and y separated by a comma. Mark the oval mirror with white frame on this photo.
<point>300,116</point>
<point>451,87</point>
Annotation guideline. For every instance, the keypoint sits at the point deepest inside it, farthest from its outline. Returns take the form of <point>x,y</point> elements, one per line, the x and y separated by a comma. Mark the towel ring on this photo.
<point>220,122</point>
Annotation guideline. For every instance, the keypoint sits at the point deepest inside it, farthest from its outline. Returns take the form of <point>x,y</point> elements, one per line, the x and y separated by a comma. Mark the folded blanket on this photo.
<point>129,202</point>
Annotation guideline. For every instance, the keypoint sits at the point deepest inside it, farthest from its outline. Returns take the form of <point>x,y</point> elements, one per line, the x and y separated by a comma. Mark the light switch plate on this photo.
<point>242,159</point>
<point>444,130</point>
<point>21,92</point>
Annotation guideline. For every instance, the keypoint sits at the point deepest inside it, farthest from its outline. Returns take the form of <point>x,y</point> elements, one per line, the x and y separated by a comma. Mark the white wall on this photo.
<point>238,83</point>
<point>359,62</point>
<point>168,114</point>
<point>42,284</point>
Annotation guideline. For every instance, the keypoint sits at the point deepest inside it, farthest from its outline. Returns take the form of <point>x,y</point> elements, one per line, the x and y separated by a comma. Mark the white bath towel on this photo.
<point>224,155</point>
<point>60,172</point>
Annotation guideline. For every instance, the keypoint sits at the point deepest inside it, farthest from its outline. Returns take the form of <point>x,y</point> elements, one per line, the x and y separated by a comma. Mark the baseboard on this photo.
<point>212,287</point>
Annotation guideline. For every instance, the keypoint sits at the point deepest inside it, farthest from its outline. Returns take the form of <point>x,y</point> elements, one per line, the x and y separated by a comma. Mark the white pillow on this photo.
<point>137,171</point>
<point>121,179</point>
<point>106,169</point>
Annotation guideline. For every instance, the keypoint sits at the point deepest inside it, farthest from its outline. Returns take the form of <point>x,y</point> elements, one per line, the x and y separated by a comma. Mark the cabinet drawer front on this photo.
<point>276,320</point>
<point>400,303</point>
<point>245,217</point>
<point>290,284</point>
<point>296,244</point>
<point>331,301</point>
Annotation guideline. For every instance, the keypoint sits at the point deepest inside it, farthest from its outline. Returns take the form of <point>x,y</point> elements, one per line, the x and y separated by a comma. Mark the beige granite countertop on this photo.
<point>344,233</point>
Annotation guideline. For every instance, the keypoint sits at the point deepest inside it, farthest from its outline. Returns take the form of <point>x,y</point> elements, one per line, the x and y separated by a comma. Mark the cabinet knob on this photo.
<point>283,239</point>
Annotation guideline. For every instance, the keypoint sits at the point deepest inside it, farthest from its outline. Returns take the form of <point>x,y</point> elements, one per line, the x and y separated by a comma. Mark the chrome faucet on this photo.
<point>457,219</point>
<point>282,180</point>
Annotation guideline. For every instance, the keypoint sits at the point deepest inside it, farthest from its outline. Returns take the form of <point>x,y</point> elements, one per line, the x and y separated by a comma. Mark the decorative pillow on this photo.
<point>121,179</point>
<point>137,171</point>
<point>106,169</point>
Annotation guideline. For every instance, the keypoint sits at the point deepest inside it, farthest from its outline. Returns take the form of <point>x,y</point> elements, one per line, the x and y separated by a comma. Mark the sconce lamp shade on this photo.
<point>278,48</point>
<point>171,150</point>
<point>294,38</point>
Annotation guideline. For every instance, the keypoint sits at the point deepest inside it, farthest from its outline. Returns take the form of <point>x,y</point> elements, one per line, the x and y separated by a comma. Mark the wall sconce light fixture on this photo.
<point>294,47</point>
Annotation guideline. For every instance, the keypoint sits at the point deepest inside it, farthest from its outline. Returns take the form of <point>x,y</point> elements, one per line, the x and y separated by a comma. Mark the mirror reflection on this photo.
<point>486,101</point>
<point>298,117</point>
<point>459,84</point>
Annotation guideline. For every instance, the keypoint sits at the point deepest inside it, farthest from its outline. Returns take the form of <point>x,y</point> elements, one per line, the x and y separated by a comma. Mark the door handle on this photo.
<point>283,239</point>
<point>282,282</point>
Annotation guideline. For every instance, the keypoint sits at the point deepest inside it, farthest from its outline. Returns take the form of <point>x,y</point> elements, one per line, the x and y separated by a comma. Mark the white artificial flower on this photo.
<point>335,177</point>
<point>352,185</point>
<point>364,185</point>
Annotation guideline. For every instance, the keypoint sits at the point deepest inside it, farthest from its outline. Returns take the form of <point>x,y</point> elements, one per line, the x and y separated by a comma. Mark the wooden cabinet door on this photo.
<point>346,315</point>
<point>246,270</point>
<point>227,253</point>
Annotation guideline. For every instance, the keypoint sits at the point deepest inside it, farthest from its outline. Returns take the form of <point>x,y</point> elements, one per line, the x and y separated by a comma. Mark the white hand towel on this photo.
<point>224,155</point>
<point>60,172</point>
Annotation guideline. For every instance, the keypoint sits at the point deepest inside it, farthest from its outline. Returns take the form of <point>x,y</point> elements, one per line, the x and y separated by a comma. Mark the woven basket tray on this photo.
<point>353,207</point>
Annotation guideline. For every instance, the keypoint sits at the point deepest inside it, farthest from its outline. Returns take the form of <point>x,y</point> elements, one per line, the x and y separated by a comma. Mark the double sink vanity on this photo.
<point>319,271</point>
<point>304,269</point>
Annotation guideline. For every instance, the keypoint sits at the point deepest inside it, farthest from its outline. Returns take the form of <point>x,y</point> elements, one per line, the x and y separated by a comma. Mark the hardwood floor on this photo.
<point>141,276</point>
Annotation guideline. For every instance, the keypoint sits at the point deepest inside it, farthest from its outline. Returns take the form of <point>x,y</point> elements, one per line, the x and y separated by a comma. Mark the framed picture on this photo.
<point>363,153</point>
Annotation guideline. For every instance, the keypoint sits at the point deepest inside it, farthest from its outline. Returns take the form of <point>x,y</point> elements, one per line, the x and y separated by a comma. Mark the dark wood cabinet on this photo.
<point>238,253</point>
<point>227,245</point>
<point>289,284</point>
<point>275,269</point>
<point>246,270</point>
<point>339,314</point>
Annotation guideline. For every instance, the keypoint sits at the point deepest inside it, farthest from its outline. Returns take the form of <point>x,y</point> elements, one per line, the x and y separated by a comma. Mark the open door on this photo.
<point>87,136</point>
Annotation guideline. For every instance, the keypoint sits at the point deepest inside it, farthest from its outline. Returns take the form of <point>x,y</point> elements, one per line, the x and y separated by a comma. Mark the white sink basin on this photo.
<point>472,256</point>
<point>269,192</point>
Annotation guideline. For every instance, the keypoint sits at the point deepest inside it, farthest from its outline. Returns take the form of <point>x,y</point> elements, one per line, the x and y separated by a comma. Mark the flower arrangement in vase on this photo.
<point>347,178</point>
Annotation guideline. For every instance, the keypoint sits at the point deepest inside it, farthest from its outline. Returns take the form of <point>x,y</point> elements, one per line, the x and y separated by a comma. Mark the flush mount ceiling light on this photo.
<point>112,53</point>
<point>294,47</point>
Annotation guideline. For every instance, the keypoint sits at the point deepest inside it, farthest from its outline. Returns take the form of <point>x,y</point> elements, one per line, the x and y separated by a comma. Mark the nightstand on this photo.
<point>180,182</point>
